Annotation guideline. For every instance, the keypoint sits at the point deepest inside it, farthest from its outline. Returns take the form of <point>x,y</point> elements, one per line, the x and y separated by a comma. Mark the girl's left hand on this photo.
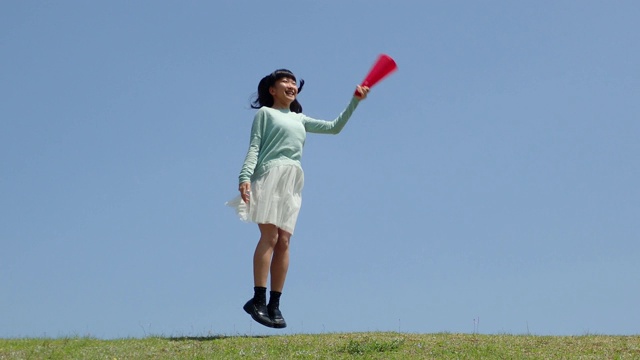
<point>361,92</point>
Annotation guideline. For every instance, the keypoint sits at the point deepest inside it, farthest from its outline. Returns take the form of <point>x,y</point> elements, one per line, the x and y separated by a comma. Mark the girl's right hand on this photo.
<point>245,191</point>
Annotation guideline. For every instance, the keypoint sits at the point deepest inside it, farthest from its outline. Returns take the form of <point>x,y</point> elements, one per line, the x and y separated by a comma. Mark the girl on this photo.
<point>271,182</point>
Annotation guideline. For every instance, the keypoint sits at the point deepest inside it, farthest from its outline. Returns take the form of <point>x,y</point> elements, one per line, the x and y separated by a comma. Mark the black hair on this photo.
<point>264,98</point>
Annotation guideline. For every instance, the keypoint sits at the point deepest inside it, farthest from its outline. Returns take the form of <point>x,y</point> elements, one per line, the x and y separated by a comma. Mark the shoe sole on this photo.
<point>279,326</point>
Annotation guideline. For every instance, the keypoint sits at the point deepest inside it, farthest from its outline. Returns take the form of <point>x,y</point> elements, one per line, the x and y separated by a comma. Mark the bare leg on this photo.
<point>263,254</point>
<point>280,261</point>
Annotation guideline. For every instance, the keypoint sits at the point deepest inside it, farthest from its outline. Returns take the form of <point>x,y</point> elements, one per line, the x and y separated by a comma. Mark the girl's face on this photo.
<point>284,92</point>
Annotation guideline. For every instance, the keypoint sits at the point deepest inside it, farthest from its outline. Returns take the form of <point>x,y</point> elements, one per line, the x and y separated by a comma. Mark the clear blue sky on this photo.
<point>493,177</point>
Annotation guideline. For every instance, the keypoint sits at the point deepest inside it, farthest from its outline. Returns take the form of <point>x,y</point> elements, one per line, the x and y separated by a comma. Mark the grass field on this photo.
<point>330,346</point>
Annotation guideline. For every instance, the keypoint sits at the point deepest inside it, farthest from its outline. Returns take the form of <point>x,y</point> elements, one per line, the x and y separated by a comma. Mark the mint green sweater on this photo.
<point>277,138</point>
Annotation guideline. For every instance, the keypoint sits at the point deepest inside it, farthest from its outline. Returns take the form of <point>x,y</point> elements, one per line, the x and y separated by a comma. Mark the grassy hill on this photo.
<point>330,346</point>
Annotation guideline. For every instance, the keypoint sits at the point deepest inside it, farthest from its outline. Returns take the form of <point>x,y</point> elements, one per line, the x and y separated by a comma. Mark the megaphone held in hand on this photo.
<point>384,66</point>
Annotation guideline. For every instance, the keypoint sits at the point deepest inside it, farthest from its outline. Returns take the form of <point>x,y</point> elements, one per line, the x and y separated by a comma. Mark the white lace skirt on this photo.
<point>275,198</point>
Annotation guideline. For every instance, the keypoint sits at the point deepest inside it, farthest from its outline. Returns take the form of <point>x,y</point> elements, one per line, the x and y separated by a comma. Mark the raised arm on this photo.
<point>335,126</point>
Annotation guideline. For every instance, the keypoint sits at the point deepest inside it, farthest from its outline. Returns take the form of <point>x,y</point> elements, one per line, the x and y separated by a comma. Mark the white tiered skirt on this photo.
<point>275,198</point>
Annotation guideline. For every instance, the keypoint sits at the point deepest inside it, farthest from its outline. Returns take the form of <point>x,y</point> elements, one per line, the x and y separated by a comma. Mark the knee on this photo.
<point>271,241</point>
<point>283,242</point>
<point>269,237</point>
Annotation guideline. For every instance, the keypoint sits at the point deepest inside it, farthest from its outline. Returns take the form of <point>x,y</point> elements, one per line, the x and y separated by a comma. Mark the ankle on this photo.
<point>260,295</point>
<point>274,299</point>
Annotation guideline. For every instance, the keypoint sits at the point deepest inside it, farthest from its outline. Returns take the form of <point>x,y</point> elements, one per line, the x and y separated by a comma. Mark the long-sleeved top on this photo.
<point>278,135</point>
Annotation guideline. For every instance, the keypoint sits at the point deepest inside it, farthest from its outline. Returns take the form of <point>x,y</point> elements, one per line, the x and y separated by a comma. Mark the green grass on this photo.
<point>330,346</point>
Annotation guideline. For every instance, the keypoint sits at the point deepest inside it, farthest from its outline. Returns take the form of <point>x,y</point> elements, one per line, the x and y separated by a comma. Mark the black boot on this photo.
<point>274,310</point>
<point>257,308</point>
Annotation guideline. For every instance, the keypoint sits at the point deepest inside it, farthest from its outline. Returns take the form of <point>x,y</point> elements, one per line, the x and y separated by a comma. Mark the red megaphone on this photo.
<point>383,67</point>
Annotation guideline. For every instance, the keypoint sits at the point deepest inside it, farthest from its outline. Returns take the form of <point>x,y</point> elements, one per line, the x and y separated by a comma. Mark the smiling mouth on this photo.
<point>290,93</point>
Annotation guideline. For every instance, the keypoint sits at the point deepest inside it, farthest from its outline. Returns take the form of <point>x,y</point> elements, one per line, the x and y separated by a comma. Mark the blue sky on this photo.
<point>490,184</point>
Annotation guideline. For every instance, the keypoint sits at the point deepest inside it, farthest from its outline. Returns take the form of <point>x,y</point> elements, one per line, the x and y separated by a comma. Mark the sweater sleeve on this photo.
<point>331,127</point>
<point>255,141</point>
